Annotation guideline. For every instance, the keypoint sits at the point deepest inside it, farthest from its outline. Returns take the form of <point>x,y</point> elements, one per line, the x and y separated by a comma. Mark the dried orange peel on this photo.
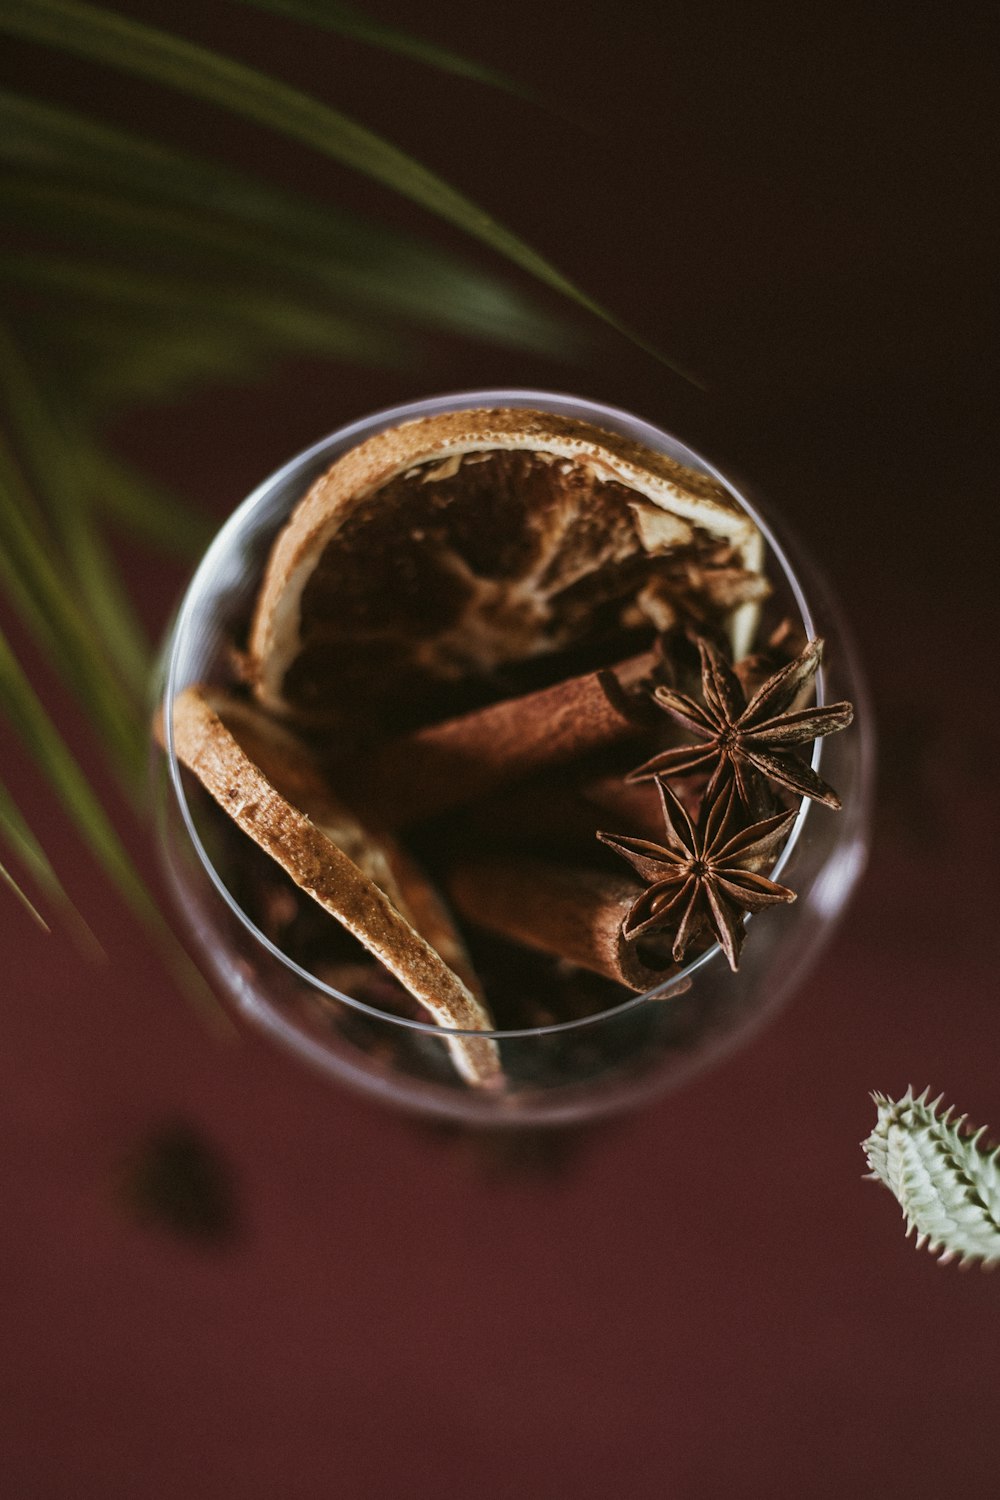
<point>446,548</point>
<point>267,783</point>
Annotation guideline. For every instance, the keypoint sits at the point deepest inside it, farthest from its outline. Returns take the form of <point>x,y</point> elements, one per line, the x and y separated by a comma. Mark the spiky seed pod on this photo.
<point>947,1183</point>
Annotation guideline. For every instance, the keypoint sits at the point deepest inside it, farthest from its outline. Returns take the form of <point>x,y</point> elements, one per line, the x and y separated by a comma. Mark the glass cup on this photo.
<point>557,1074</point>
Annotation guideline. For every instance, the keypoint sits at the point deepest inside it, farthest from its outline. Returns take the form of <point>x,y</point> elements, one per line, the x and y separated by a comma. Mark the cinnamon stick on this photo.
<point>634,805</point>
<point>442,766</point>
<point>573,913</point>
<point>561,814</point>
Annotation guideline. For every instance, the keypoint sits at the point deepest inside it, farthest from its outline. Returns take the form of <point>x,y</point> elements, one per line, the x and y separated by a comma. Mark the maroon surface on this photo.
<point>705,1300</point>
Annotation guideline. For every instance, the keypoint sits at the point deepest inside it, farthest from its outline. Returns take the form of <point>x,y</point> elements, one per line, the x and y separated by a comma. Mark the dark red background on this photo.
<point>705,1300</point>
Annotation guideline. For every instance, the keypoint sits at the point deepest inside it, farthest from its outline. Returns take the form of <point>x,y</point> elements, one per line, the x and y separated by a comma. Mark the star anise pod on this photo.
<point>704,872</point>
<point>740,738</point>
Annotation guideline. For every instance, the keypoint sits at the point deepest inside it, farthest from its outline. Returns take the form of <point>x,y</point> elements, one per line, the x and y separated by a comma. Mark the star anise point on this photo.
<point>750,742</point>
<point>706,868</point>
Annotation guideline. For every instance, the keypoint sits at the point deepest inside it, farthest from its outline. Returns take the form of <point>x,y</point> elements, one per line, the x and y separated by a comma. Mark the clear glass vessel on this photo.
<point>554,1074</point>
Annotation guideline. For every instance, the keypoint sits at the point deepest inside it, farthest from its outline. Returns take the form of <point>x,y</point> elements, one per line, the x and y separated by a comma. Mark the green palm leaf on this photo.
<point>276,320</point>
<point>18,837</point>
<point>42,592</point>
<point>148,511</point>
<point>52,148</point>
<point>24,710</point>
<point>45,438</point>
<point>361,28</point>
<point>160,57</point>
<point>43,741</point>
<point>21,894</point>
<point>143,271</point>
<point>395,281</point>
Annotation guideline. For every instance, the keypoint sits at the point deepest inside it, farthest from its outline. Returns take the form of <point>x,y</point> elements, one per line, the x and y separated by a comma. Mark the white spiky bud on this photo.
<point>947,1183</point>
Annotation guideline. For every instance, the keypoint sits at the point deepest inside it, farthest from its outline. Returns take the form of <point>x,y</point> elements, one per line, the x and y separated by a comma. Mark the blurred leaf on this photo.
<point>23,897</point>
<point>103,358</point>
<point>388,268</point>
<point>101,587</point>
<point>43,595</point>
<point>44,743</point>
<point>361,28</point>
<point>17,835</point>
<point>394,282</point>
<point>19,702</point>
<point>41,139</point>
<point>189,272</point>
<point>275,319</point>
<point>46,444</point>
<point>19,838</point>
<point>150,512</point>
<point>119,42</point>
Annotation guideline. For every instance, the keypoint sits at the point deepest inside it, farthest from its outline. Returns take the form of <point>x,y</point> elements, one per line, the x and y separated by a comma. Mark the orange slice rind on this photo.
<point>446,548</point>
<point>269,785</point>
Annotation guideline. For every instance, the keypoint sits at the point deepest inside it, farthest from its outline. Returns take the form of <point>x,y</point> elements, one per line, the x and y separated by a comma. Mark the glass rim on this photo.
<point>329,448</point>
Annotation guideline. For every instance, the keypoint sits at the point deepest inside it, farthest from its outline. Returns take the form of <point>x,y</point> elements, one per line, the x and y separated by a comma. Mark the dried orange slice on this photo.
<point>265,779</point>
<point>444,550</point>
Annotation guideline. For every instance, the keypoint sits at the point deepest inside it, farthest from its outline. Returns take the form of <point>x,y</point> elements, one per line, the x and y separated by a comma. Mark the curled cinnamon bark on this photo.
<point>206,726</point>
<point>573,913</point>
<point>556,815</point>
<point>443,766</point>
